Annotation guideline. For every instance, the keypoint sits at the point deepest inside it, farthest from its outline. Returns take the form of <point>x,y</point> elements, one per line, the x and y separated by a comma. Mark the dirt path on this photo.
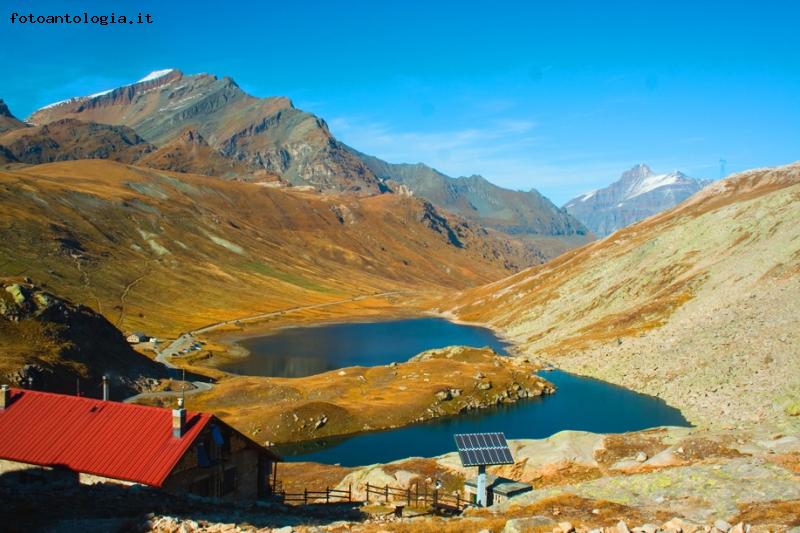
<point>200,386</point>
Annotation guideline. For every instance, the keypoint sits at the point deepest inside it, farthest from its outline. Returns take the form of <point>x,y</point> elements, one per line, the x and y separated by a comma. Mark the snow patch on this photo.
<point>156,74</point>
<point>152,76</point>
<point>101,93</point>
<point>653,182</point>
<point>60,102</point>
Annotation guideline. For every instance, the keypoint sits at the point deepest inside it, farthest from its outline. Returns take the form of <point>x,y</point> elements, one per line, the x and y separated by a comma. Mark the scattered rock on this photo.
<point>321,421</point>
<point>520,525</point>
<point>566,527</point>
<point>641,457</point>
<point>722,525</point>
<point>622,527</point>
<point>484,385</point>
<point>443,395</point>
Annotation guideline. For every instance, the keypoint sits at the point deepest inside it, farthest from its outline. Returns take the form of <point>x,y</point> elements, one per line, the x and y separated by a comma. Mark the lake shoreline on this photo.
<point>334,433</point>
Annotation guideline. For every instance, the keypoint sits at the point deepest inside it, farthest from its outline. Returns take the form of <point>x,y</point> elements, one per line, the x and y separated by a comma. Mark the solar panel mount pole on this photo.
<point>482,486</point>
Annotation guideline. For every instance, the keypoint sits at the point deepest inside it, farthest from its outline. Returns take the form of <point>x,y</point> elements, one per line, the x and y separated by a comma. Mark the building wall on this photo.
<point>238,458</point>
<point>240,462</point>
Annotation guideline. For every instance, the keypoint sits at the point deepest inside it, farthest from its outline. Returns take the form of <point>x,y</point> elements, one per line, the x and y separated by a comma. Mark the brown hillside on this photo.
<point>71,139</point>
<point>700,304</point>
<point>166,252</point>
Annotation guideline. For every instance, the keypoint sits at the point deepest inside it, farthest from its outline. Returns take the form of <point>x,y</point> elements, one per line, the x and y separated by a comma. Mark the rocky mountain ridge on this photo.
<point>262,138</point>
<point>267,134</point>
<point>7,120</point>
<point>526,215</point>
<point>638,194</point>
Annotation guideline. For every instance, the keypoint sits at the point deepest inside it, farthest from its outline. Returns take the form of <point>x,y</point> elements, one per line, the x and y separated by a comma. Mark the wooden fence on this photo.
<point>329,495</point>
<point>416,497</point>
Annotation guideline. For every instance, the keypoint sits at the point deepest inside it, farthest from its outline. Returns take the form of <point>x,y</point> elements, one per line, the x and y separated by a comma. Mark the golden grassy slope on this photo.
<point>700,304</point>
<point>166,252</point>
<point>369,398</point>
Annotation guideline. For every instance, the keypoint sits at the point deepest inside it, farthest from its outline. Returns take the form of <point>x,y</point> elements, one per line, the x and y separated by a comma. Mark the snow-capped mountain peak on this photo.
<point>638,193</point>
<point>651,182</point>
<point>156,74</point>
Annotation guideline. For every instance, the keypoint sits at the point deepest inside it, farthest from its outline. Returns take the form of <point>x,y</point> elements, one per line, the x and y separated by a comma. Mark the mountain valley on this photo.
<point>184,208</point>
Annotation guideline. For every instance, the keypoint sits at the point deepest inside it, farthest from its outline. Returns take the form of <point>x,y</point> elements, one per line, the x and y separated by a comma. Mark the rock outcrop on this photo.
<point>7,120</point>
<point>49,343</point>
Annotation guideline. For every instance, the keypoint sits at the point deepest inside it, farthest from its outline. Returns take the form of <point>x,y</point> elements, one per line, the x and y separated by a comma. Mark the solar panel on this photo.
<point>475,449</point>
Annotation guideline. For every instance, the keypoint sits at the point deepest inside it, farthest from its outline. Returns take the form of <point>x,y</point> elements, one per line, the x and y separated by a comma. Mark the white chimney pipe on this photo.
<point>178,420</point>
<point>5,397</point>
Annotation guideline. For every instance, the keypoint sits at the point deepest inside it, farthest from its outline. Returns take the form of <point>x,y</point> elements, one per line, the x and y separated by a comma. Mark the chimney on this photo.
<point>178,420</point>
<point>5,397</point>
<point>106,394</point>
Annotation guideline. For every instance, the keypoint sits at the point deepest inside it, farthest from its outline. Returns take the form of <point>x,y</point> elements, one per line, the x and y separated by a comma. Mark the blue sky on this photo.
<point>558,96</point>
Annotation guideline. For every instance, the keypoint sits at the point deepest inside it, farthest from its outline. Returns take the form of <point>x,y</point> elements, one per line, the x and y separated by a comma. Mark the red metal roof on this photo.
<point>109,439</point>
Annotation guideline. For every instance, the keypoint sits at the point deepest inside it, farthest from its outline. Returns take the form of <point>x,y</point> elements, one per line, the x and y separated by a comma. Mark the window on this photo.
<point>203,460</point>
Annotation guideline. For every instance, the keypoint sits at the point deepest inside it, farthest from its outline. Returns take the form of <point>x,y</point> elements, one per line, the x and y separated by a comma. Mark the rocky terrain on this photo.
<point>55,343</point>
<point>697,305</point>
<point>638,194</point>
<point>675,480</point>
<point>189,152</point>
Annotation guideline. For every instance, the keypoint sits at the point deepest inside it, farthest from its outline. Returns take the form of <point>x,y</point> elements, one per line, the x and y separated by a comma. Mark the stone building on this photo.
<point>46,437</point>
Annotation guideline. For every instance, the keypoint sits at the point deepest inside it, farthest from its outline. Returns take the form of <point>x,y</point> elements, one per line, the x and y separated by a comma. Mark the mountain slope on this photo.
<point>638,194</point>
<point>190,153</point>
<point>699,305</point>
<point>165,252</point>
<point>71,139</point>
<point>55,342</point>
<point>7,120</point>
<point>523,214</point>
<point>259,133</point>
